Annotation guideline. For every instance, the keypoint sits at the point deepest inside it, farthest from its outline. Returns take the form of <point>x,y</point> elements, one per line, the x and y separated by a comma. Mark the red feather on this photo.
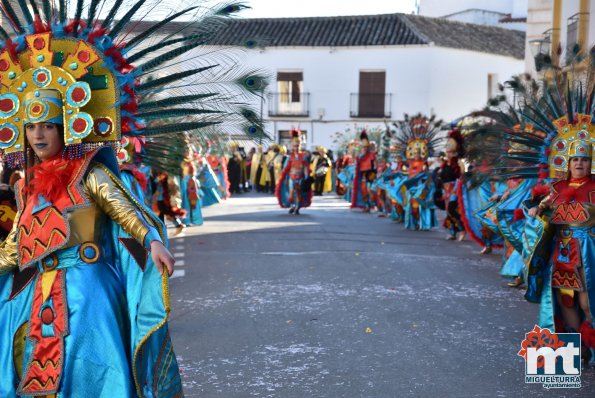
<point>540,190</point>
<point>518,215</point>
<point>51,177</point>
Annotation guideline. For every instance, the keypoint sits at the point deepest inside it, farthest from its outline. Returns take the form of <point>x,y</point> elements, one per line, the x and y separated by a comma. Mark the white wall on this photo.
<point>459,79</point>
<point>539,19</point>
<point>423,79</point>
<point>440,8</point>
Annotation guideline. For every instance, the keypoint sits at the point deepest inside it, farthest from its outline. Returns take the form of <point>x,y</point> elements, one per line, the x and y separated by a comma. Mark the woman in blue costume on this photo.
<point>84,296</point>
<point>190,190</point>
<point>418,137</point>
<point>511,224</point>
<point>557,135</point>
<point>76,220</point>
<point>474,203</point>
<point>209,183</point>
<point>561,243</point>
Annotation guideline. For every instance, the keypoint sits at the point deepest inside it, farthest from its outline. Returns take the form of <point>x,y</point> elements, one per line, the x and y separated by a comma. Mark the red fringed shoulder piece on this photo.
<point>540,190</point>
<point>518,215</point>
<point>51,177</point>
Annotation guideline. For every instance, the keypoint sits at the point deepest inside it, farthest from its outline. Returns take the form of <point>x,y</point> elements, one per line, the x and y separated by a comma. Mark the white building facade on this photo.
<point>426,79</point>
<point>324,85</point>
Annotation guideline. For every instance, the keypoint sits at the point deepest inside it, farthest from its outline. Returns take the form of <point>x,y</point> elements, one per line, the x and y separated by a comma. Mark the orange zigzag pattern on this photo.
<point>36,385</point>
<point>48,362</point>
<point>38,222</point>
<point>27,254</point>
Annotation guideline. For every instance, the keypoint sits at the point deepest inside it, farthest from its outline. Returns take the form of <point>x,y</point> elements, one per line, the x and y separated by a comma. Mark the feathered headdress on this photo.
<point>106,78</point>
<point>363,137</point>
<point>296,137</point>
<point>455,142</point>
<point>418,133</point>
<point>555,121</point>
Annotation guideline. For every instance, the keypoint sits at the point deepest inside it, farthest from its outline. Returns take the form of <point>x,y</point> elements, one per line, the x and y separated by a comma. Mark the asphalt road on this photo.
<point>336,303</point>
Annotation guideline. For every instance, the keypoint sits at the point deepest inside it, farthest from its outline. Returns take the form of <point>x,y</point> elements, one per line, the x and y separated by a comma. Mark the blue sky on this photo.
<point>310,8</point>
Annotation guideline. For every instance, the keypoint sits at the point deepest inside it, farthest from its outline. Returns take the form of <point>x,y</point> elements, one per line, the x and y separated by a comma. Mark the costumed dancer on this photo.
<point>208,182</point>
<point>475,203</point>
<point>278,163</point>
<point>449,176</point>
<point>191,193</point>
<point>395,188</point>
<point>557,134</point>
<point>234,170</point>
<point>290,191</point>
<point>219,166</point>
<point>87,314</point>
<point>364,175</point>
<point>418,136</point>
<point>321,170</point>
<point>132,176</point>
<point>78,230</point>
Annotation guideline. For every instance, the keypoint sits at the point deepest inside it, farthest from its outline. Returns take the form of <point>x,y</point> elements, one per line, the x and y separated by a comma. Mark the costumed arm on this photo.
<point>101,186</point>
<point>109,197</point>
<point>8,250</point>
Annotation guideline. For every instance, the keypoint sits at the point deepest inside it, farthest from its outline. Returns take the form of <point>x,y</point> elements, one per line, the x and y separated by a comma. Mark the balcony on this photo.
<point>370,105</point>
<point>289,104</point>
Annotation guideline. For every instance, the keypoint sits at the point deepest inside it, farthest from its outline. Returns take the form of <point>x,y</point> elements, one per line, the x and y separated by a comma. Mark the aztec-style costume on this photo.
<point>219,166</point>
<point>132,176</point>
<point>209,183</point>
<point>293,191</point>
<point>82,305</point>
<point>236,168</point>
<point>321,168</point>
<point>364,176</point>
<point>418,136</point>
<point>278,163</point>
<point>556,126</point>
<point>449,176</point>
<point>191,193</point>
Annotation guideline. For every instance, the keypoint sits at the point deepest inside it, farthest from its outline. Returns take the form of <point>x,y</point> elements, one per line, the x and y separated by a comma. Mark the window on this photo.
<point>290,86</point>
<point>572,36</point>
<point>372,93</point>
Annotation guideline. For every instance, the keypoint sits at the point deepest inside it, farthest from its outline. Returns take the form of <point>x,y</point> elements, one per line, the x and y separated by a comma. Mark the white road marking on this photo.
<point>178,273</point>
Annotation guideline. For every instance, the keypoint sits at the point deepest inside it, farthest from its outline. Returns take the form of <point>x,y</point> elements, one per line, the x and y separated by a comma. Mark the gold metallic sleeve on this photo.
<point>110,198</point>
<point>8,250</point>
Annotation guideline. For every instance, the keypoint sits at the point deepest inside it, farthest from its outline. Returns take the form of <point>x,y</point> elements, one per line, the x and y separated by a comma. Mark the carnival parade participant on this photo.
<point>552,144</point>
<point>191,193</point>
<point>218,165</point>
<point>87,314</point>
<point>449,176</point>
<point>234,169</point>
<point>278,164</point>
<point>321,170</point>
<point>365,174</point>
<point>132,176</point>
<point>418,136</point>
<point>208,182</point>
<point>290,193</point>
<point>97,197</point>
<point>475,203</point>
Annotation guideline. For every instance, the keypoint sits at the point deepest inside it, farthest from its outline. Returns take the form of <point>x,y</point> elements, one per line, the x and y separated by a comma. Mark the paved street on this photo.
<point>335,303</point>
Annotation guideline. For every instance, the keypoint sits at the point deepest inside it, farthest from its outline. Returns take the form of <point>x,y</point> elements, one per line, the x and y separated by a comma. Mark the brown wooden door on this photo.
<point>371,94</point>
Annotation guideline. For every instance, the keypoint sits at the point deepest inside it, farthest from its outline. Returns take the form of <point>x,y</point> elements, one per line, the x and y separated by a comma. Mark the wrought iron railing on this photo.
<point>364,105</point>
<point>289,104</point>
